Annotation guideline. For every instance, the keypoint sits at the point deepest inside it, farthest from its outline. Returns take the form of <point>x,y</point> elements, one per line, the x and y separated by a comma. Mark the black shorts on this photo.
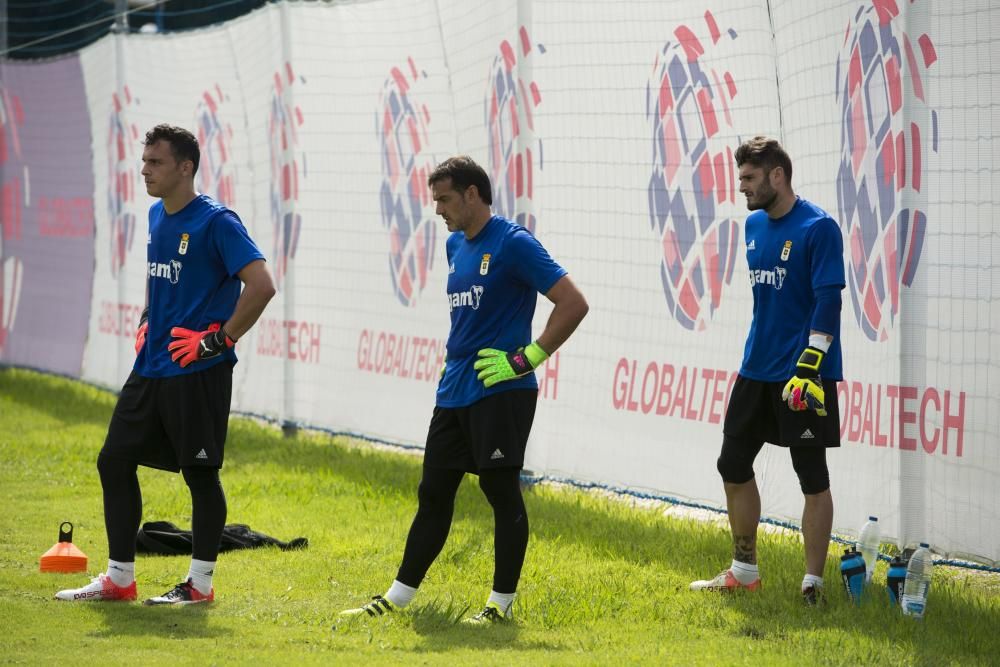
<point>172,423</point>
<point>757,413</point>
<point>490,433</point>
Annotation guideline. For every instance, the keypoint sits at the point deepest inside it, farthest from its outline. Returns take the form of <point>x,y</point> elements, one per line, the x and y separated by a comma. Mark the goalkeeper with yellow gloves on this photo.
<point>786,390</point>
<point>487,392</point>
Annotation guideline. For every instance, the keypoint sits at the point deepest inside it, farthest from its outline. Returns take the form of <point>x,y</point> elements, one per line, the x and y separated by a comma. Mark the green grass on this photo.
<point>604,582</point>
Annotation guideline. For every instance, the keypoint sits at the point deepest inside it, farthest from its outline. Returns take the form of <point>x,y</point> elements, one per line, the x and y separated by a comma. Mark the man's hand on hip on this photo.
<point>190,346</point>
<point>498,366</point>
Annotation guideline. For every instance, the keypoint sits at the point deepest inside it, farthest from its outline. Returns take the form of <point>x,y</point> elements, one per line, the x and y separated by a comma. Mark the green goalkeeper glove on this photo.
<point>498,366</point>
<point>805,390</point>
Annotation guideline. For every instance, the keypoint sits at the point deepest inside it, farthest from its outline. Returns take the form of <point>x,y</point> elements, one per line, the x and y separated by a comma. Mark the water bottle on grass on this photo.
<point>918,582</point>
<point>852,571</point>
<point>868,541</point>
<point>894,579</point>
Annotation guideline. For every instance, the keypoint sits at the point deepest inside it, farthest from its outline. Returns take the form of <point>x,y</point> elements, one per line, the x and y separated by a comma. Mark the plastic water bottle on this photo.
<point>868,542</point>
<point>918,582</point>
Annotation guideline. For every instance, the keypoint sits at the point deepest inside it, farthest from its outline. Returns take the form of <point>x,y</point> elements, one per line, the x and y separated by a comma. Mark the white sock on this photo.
<point>745,573</point>
<point>812,580</point>
<point>200,575</point>
<point>123,574</point>
<point>399,594</point>
<point>505,600</point>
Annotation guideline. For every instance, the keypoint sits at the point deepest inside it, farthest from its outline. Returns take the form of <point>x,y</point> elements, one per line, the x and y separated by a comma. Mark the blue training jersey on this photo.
<point>493,283</point>
<point>789,259</point>
<point>193,257</point>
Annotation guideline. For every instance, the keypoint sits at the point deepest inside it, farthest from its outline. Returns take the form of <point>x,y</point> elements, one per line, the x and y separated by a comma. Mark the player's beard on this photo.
<point>763,198</point>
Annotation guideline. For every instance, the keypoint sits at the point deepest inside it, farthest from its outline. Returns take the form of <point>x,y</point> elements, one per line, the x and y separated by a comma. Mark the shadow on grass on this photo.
<point>69,402</point>
<point>569,517</point>
<point>169,622</point>
<point>439,624</point>
<point>687,550</point>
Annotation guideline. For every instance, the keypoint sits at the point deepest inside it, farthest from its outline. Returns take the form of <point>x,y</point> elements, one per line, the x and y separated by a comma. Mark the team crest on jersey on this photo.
<point>484,266</point>
<point>183,248</point>
<point>786,251</point>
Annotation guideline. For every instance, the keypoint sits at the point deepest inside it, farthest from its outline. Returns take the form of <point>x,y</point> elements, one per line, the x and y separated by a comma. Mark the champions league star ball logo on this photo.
<point>15,189</point>
<point>514,150</point>
<point>123,136</point>
<point>215,139</point>
<point>889,134</point>
<point>287,166</point>
<point>407,211</point>
<point>694,176</point>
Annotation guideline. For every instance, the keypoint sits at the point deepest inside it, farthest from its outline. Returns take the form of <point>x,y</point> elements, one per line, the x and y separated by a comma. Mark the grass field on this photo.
<point>604,582</point>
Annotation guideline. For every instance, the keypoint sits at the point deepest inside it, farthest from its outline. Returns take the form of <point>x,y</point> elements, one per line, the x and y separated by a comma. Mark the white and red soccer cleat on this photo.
<point>726,582</point>
<point>100,589</point>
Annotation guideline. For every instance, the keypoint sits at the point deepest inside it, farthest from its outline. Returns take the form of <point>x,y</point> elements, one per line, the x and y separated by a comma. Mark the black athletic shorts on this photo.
<point>757,413</point>
<point>172,423</point>
<point>490,433</point>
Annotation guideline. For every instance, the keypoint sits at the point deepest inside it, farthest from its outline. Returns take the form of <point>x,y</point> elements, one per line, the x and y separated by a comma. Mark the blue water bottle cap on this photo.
<point>873,518</point>
<point>925,545</point>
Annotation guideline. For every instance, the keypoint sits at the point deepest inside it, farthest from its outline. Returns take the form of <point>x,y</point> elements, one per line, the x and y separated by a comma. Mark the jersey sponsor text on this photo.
<point>775,278</point>
<point>470,297</point>
<point>171,271</point>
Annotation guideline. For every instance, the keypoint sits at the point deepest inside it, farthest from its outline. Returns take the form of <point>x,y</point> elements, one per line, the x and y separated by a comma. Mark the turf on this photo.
<point>604,582</point>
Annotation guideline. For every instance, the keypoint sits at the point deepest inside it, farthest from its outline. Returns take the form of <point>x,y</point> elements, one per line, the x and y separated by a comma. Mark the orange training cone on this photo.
<point>63,556</point>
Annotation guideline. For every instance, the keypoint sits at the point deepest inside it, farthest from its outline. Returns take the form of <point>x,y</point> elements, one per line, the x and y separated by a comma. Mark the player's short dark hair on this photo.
<point>183,144</point>
<point>766,153</point>
<point>463,172</point>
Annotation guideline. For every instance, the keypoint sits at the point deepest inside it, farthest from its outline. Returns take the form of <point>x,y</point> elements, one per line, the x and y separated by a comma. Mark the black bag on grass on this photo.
<point>163,537</point>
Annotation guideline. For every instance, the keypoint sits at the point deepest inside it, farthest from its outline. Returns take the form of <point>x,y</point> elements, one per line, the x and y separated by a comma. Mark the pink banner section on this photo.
<point>47,213</point>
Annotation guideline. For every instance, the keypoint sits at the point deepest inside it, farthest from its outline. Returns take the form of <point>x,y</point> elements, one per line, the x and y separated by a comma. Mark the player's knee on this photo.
<point>813,473</point>
<point>502,488</point>
<point>433,497</point>
<point>202,480</point>
<point>111,468</point>
<point>733,464</point>
<point>814,482</point>
<point>501,485</point>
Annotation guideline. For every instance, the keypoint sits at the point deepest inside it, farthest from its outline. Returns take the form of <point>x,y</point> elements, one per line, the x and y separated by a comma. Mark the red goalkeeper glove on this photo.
<point>190,346</point>
<point>140,333</point>
<point>805,390</point>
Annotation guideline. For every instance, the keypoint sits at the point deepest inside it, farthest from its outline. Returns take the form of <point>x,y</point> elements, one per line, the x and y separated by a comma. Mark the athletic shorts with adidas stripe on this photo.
<point>756,413</point>
<point>173,422</point>
<point>490,433</point>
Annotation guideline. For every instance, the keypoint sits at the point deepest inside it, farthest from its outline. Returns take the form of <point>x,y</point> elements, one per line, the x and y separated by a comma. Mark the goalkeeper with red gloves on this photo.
<point>206,285</point>
<point>786,390</point>
<point>487,392</point>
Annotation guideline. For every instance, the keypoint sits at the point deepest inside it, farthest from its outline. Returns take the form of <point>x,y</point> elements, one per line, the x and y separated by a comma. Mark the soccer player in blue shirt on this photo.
<point>173,410</point>
<point>786,391</point>
<point>487,393</point>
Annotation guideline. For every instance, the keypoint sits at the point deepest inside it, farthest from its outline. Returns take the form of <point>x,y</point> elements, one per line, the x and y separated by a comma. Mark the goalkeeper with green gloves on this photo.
<point>786,390</point>
<point>487,392</point>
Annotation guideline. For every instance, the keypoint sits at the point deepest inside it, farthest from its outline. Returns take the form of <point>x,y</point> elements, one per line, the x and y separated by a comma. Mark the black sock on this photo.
<point>122,506</point>
<point>429,531</point>
<point>208,511</point>
<point>502,487</point>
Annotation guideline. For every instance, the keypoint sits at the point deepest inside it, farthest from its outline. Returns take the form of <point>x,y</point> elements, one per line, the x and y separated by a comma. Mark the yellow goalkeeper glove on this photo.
<point>805,390</point>
<point>498,366</point>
